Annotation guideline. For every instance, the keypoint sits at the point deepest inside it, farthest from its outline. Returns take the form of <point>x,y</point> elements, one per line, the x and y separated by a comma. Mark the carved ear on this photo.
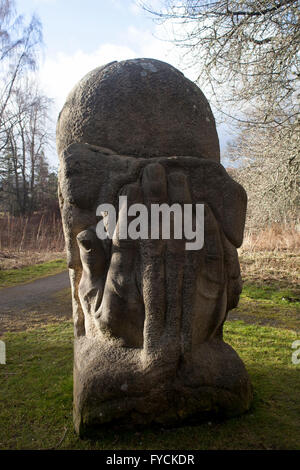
<point>227,198</point>
<point>234,211</point>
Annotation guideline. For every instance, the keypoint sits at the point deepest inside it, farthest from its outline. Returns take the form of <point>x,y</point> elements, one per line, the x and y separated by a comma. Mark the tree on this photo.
<point>23,160</point>
<point>24,119</point>
<point>19,44</point>
<point>247,51</point>
<point>269,169</point>
<point>46,188</point>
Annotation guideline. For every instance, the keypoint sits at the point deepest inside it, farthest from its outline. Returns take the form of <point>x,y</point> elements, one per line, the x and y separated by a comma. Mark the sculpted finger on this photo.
<point>178,188</point>
<point>211,285</point>
<point>179,194</point>
<point>154,185</point>
<point>130,205</point>
<point>121,313</point>
<point>91,284</point>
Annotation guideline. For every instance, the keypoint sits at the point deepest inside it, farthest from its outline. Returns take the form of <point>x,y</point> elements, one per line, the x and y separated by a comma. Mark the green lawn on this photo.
<point>269,305</point>
<point>271,293</point>
<point>12,277</point>
<point>36,396</point>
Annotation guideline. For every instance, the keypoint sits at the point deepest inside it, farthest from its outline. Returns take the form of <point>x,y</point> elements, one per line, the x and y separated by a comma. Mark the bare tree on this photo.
<point>19,44</point>
<point>247,51</point>
<point>269,169</point>
<point>24,120</point>
<point>27,140</point>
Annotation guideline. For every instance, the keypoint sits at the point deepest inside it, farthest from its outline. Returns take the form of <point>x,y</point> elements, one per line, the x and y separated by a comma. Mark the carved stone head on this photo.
<point>148,313</point>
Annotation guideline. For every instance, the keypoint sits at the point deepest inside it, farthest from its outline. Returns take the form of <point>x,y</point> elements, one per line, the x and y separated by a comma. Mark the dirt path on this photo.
<point>45,300</point>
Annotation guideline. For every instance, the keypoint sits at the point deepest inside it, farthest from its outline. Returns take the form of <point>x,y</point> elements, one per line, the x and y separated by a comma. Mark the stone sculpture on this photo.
<point>148,314</point>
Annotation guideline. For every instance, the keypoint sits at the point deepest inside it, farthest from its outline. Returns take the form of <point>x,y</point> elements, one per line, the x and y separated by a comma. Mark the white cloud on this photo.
<point>59,75</point>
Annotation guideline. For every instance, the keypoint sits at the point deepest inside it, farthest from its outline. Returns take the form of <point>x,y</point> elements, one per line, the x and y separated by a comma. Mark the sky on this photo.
<point>80,35</point>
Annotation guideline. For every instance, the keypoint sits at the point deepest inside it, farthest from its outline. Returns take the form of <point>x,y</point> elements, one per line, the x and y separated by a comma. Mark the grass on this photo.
<point>21,259</point>
<point>272,293</point>
<point>266,313</point>
<point>276,237</point>
<point>13,277</point>
<point>55,308</point>
<point>269,305</point>
<point>36,397</point>
<point>263,268</point>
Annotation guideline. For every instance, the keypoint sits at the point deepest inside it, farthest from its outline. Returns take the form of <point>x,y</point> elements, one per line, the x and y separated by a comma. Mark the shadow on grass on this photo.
<point>36,397</point>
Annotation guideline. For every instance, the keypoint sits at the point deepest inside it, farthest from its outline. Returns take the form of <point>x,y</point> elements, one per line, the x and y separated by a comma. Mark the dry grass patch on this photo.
<point>274,238</point>
<point>30,240</point>
<point>20,259</point>
<point>39,232</point>
<point>269,267</point>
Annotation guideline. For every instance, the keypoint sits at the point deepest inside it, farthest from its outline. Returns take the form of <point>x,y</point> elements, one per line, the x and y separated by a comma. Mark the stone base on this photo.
<point>113,384</point>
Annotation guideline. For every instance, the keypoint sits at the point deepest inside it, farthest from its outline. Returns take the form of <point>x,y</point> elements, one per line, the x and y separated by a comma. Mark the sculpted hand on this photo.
<point>155,294</point>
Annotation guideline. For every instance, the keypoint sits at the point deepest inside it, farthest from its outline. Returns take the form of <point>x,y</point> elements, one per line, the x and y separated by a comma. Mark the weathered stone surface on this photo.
<point>141,107</point>
<point>148,314</point>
